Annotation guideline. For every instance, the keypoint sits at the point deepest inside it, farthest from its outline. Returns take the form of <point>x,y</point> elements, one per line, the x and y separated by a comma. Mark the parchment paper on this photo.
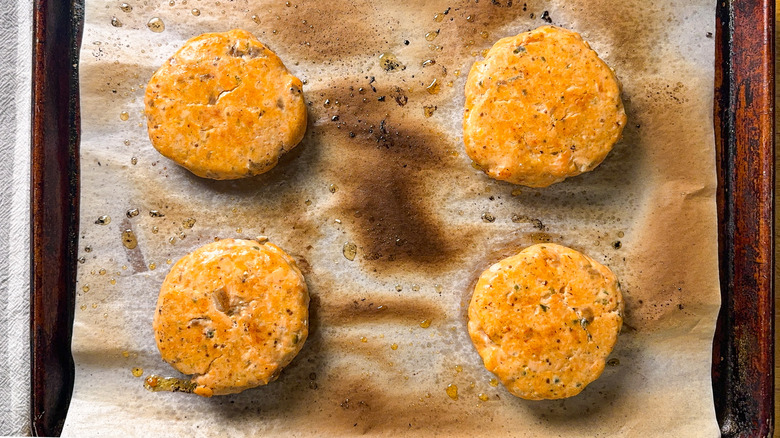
<point>373,170</point>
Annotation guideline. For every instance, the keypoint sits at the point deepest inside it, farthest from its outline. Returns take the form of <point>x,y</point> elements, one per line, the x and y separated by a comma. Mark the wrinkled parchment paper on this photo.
<point>375,172</point>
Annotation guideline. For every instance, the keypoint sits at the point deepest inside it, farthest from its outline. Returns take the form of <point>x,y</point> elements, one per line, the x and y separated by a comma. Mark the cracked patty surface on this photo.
<point>545,320</point>
<point>232,313</point>
<point>541,107</point>
<point>225,107</point>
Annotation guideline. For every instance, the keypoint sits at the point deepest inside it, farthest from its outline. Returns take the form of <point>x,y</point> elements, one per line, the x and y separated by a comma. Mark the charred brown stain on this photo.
<point>403,310</point>
<point>385,166</point>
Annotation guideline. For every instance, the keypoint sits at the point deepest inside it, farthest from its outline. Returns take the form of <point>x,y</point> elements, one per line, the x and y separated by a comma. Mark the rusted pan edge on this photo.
<point>57,28</point>
<point>743,348</point>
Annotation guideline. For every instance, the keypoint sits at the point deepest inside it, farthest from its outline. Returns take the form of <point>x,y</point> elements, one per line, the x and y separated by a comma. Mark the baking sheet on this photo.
<point>399,186</point>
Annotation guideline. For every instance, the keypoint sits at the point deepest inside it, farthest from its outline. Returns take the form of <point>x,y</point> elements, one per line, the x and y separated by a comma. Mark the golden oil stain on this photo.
<point>493,382</point>
<point>394,347</point>
<point>103,220</point>
<point>85,288</point>
<point>390,62</point>
<point>364,339</point>
<point>452,391</point>
<point>483,397</point>
<point>428,110</point>
<point>156,383</point>
<point>156,25</point>
<point>137,371</point>
<point>434,87</point>
<point>425,323</point>
<point>458,368</point>
<point>430,36</point>
<point>152,266</point>
<point>349,250</point>
<point>188,223</point>
<point>129,240</point>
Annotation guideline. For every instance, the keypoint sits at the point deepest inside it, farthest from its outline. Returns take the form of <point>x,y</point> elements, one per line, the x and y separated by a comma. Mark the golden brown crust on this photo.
<point>545,320</point>
<point>541,107</point>
<point>225,107</point>
<point>233,313</point>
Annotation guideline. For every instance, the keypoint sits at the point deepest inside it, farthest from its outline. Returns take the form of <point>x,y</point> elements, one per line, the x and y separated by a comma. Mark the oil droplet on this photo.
<point>333,188</point>
<point>256,19</point>
<point>288,4</point>
<point>493,382</point>
<point>415,287</point>
<point>327,103</point>
<point>115,22</point>
<point>188,223</point>
<point>483,52</point>
<point>429,110</point>
<point>172,240</point>
<point>484,34</point>
<point>134,161</point>
<point>621,234</point>
<point>82,260</point>
<point>124,267</point>
<point>394,347</point>
<point>172,3</point>
<point>430,36</point>
<point>112,281</point>
<point>168,261</point>
<point>133,212</point>
<point>138,372</point>
<point>87,248</point>
<point>156,213</point>
<point>307,202</point>
<point>398,288</point>
<point>457,73</point>
<point>156,383</point>
<point>438,288</point>
<point>83,307</point>
<point>470,18</point>
<point>428,62</point>
<point>452,391</point>
<point>152,266</point>
<point>425,323</point>
<point>488,217</point>
<point>482,396</point>
<point>182,235</point>
<point>155,230</point>
<point>433,88</point>
<point>613,362</point>
<point>123,116</point>
<point>125,354</point>
<point>103,220</point>
<point>363,339</point>
<point>94,305</point>
<point>129,240</point>
<point>239,230</point>
<point>195,12</point>
<point>389,62</point>
<point>349,250</point>
<point>125,7</point>
<point>517,192</point>
<point>102,271</point>
<point>156,25</point>
<point>458,368</point>
<point>85,288</point>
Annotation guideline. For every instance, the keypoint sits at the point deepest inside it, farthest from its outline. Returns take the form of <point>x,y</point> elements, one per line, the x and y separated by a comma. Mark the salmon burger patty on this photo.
<point>225,107</point>
<point>541,107</point>
<point>232,313</point>
<point>545,320</point>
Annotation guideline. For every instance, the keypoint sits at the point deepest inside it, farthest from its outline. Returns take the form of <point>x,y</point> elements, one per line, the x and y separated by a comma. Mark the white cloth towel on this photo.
<point>15,85</point>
